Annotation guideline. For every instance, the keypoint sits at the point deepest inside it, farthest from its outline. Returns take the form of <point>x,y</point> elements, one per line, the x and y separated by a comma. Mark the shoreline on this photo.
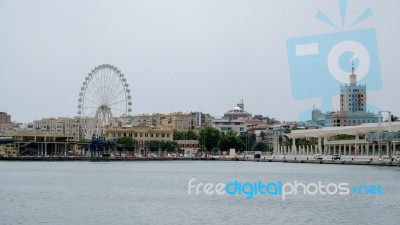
<point>281,160</point>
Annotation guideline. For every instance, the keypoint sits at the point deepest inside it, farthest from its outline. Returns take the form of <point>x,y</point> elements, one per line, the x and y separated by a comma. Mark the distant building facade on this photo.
<point>71,127</point>
<point>224,125</point>
<point>142,134</point>
<point>6,125</point>
<point>178,120</point>
<point>353,108</point>
<point>5,118</point>
<point>77,126</point>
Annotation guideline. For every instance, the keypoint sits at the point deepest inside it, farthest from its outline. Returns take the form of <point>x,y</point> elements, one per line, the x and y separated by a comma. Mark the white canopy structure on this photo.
<point>350,130</point>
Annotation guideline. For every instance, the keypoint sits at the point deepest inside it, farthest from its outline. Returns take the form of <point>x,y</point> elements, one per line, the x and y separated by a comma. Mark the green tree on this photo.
<point>229,140</point>
<point>306,141</point>
<point>262,146</point>
<point>125,144</point>
<point>210,136</point>
<point>313,141</point>
<point>128,141</point>
<point>191,135</point>
<point>85,141</point>
<point>188,135</point>
<point>301,142</point>
<point>345,137</point>
<point>286,143</point>
<point>170,146</point>
<point>154,145</point>
<point>178,135</point>
<point>248,140</point>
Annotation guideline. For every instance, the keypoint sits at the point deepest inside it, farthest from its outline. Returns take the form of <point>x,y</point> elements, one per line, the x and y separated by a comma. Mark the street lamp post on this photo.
<point>380,131</point>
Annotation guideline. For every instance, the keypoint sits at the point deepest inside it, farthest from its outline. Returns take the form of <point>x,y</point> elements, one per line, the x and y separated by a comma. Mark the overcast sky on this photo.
<point>177,55</point>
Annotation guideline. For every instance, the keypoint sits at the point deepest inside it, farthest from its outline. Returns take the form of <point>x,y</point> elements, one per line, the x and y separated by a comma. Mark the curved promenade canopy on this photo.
<point>350,130</point>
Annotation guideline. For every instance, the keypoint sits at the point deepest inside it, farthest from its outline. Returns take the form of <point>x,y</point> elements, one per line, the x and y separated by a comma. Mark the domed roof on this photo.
<point>237,112</point>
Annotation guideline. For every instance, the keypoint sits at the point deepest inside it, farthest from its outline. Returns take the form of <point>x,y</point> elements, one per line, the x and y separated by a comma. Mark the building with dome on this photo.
<point>237,120</point>
<point>237,112</point>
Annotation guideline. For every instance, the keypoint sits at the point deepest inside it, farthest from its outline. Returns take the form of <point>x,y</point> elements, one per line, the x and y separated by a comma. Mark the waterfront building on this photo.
<point>142,135</point>
<point>189,147</point>
<point>43,144</point>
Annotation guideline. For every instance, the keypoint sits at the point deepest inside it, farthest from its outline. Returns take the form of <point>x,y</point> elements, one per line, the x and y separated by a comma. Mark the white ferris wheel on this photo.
<point>104,96</point>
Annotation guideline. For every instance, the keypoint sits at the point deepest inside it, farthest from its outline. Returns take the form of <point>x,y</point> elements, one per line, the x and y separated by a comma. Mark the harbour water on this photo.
<point>156,192</point>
